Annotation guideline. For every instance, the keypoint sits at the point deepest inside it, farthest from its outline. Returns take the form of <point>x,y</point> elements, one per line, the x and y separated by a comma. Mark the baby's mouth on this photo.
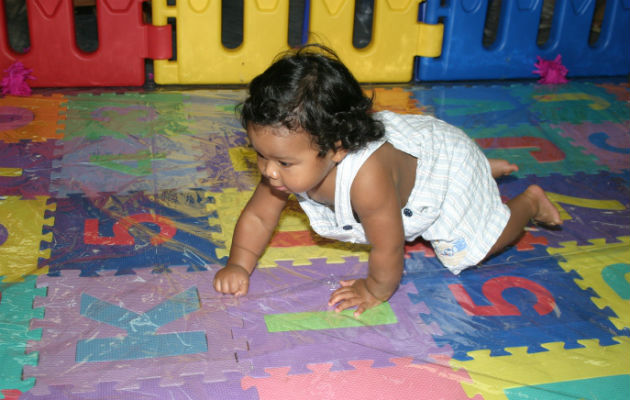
<point>281,188</point>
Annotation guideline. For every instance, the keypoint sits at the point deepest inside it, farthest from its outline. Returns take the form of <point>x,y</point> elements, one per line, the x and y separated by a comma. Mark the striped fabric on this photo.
<point>455,203</point>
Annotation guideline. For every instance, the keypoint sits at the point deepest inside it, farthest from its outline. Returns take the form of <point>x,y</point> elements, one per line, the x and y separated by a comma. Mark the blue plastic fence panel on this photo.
<point>514,51</point>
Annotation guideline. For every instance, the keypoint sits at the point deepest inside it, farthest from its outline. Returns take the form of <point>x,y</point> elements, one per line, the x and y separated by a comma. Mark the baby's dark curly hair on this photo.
<point>310,88</point>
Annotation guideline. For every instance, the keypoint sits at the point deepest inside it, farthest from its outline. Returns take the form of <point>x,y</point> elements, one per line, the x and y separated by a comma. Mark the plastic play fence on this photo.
<point>410,40</point>
<point>515,48</point>
<point>124,41</point>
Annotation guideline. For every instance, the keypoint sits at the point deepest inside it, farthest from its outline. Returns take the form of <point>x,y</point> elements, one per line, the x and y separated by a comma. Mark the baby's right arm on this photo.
<point>252,233</point>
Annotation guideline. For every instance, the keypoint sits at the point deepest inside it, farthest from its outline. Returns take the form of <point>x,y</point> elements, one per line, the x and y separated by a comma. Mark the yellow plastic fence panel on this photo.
<point>397,37</point>
<point>201,57</point>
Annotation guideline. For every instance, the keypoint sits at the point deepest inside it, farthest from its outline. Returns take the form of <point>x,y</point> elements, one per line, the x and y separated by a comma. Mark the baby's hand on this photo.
<point>353,293</point>
<point>232,279</point>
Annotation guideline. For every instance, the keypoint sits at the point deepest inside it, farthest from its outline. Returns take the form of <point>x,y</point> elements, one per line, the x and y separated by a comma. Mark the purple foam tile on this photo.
<point>32,163</point>
<point>15,117</point>
<point>598,204</point>
<point>64,326</point>
<point>290,289</point>
<point>82,165</point>
<point>221,162</point>
<point>4,234</point>
<point>609,141</point>
<point>192,387</point>
<point>213,119</point>
<point>126,164</point>
<point>213,111</point>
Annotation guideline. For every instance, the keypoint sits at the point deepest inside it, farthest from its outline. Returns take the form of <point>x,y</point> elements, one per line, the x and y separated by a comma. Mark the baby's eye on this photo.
<point>284,163</point>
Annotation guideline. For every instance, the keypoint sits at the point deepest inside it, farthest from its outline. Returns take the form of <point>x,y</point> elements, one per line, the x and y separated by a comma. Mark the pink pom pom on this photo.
<point>14,80</point>
<point>551,71</point>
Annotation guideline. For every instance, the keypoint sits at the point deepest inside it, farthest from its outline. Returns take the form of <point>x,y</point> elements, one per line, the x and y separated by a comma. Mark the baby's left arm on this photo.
<point>376,201</point>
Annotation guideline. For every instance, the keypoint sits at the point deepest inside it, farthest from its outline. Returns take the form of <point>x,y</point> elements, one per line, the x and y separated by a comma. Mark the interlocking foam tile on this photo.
<point>150,389</point>
<point>623,177</point>
<point>122,115</point>
<point>16,312</point>
<point>525,112</point>
<point>578,102</point>
<point>127,164</point>
<point>213,112</point>
<point>129,144</point>
<point>536,149</point>
<point>127,232</point>
<point>604,268</point>
<point>516,299</point>
<point>404,380</point>
<point>244,159</point>
<point>608,387</point>
<point>525,243</point>
<point>301,290</point>
<point>228,161</point>
<point>25,168</point>
<point>419,246</point>
<point>125,329</point>
<point>10,394</point>
<point>522,104</point>
<point>608,141</point>
<point>395,99</point>
<point>591,206</point>
<point>21,225</point>
<point>293,240</point>
<point>523,375</point>
<point>34,118</point>
<point>530,325</point>
<point>621,91</point>
<point>485,106</point>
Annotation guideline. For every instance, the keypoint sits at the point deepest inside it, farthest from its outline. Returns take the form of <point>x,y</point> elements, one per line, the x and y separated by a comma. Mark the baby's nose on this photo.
<point>268,170</point>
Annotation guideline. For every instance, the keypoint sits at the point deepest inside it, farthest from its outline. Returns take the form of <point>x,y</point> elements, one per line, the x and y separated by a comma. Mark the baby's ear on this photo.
<point>340,152</point>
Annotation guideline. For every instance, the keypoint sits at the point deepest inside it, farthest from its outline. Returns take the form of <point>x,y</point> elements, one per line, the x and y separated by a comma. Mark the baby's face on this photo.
<point>289,159</point>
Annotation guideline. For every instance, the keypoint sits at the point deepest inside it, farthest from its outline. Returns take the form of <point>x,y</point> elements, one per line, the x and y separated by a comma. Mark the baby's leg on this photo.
<point>532,203</point>
<point>500,167</point>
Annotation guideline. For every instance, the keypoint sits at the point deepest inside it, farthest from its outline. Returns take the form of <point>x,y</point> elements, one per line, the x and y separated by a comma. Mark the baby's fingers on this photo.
<point>231,286</point>
<point>341,294</point>
<point>347,304</point>
<point>345,300</point>
<point>218,285</point>
<point>222,286</point>
<point>360,309</point>
<point>242,288</point>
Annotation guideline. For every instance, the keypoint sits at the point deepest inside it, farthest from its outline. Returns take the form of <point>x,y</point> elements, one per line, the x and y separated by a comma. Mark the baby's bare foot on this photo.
<point>501,167</point>
<point>546,212</point>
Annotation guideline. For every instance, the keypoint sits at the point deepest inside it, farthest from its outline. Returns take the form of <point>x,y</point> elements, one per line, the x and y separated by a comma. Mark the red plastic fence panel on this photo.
<point>124,41</point>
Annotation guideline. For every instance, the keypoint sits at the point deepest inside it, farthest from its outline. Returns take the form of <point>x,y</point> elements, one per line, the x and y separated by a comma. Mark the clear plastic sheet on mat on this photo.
<point>117,209</point>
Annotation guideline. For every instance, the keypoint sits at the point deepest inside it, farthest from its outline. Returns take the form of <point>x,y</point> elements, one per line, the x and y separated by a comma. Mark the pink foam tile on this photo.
<point>404,380</point>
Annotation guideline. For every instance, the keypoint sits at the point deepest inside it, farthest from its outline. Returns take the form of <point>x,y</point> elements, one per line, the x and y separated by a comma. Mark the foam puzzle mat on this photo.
<point>117,208</point>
